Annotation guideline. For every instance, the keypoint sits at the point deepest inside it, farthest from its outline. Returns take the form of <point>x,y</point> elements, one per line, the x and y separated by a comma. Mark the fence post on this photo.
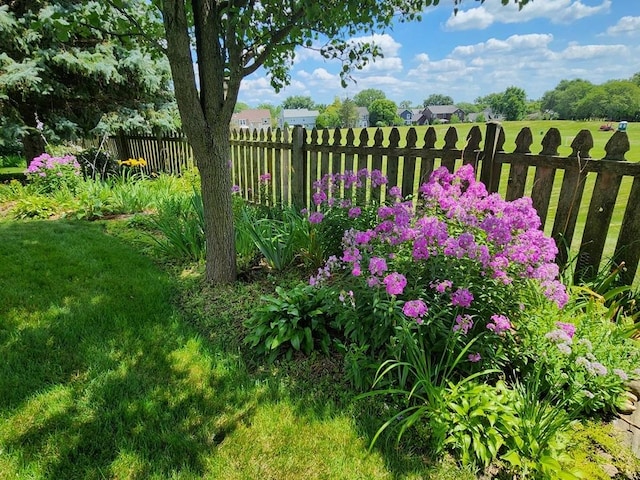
<point>490,148</point>
<point>298,168</point>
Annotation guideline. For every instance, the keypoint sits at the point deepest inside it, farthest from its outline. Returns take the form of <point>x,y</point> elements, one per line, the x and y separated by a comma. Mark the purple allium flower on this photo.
<point>461,298</point>
<point>355,212</point>
<point>464,323</point>
<point>377,265</point>
<point>569,328</point>
<point>499,324</point>
<point>316,217</point>
<point>415,309</point>
<point>474,357</point>
<point>395,283</point>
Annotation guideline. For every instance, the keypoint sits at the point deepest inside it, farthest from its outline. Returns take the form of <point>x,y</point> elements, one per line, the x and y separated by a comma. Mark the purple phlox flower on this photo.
<point>415,309</point>
<point>319,197</point>
<point>555,291</point>
<point>345,203</point>
<point>461,298</point>
<point>385,211</point>
<point>395,192</point>
<point>355,212</point>
<point>474,357</point>
<point>499,324</point>
<point>316,217</point>
<point>351,255</point>
<point>464,323</point>
<point>373,282</point>
<point>265,178</point>
<point>363,238</point>
<point>569,328</point>
<point>377,265</point>
<point>395,283</point>
<point>356,270</point>
<point>377,178</point>
<point>344,296</point>
<point>235,189</point>
<point>442,286</point>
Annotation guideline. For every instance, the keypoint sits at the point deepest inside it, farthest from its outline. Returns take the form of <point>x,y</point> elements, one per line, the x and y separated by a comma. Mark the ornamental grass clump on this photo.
<point>50,173</point>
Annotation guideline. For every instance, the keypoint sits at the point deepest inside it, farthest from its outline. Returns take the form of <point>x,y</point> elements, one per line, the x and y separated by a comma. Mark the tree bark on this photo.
<point>205,121</point>
<point>32,142</point>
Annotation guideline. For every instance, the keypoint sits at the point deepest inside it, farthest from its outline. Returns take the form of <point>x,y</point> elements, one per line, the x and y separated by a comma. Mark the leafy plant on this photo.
<point>278,240</point>
<point>181,221</point>
<point>295,319</point>
<point>35,206</point>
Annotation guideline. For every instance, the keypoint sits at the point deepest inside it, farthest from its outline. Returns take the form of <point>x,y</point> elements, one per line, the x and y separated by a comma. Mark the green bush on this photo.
<point>97,164</point>
<point>49,174</point>
<point>294,320</point>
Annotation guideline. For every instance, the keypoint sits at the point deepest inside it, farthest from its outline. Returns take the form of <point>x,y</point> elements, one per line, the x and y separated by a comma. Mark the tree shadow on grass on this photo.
<point>100,378</point>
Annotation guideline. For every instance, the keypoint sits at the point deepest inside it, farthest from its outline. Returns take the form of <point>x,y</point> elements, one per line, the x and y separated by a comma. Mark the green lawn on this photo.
<point>102,376</point>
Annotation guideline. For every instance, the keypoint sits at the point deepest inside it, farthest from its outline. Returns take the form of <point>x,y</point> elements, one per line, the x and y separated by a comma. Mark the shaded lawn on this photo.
<point>101,378</point>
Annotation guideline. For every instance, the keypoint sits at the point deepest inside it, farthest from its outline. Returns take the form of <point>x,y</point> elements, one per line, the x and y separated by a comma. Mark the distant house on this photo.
<point>363,117</point>
<point>299,116</point>
<point>259,119</point>
<point>442,113</point>
<point>488,115</point>
<point>410,115</point>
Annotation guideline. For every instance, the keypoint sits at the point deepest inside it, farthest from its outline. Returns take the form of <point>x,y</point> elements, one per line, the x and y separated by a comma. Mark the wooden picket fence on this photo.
<point>561,187</point>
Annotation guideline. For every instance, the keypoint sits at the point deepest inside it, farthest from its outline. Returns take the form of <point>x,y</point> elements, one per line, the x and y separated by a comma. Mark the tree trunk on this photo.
<point>213,158</point>
<point>32,142</point>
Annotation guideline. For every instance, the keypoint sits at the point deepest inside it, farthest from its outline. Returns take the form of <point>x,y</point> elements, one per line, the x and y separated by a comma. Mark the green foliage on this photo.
<point>295,320</point>
<point>180,219</point>
<point>35,206</point>
<point>366,97</point>
<point>12,161</point>
<point>279,240</point>
<point>298,101</point>
<point>384,112</point>
<point>437,99</point>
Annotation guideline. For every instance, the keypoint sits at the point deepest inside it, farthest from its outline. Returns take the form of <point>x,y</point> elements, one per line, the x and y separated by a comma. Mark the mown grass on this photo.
<point>115,368</point>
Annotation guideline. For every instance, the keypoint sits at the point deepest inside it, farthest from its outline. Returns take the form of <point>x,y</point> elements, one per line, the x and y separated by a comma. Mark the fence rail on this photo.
<point>582,202</point>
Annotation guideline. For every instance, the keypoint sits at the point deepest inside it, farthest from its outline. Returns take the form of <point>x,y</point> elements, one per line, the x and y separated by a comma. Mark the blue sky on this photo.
<point>484,49</point>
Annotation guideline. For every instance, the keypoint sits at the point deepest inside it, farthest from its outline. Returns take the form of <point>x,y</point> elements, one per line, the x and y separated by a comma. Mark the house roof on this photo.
<point>252,116</point>
<point>362,111</point>
<point>441,109</point>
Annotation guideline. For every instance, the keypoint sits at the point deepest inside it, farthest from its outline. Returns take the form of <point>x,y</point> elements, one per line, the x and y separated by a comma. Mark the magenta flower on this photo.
<point>569,328</point>
<point>377,265</point>
<point>316,217</point>
<point>464,323</point>
<point>395,283</point>
<point>265,178</point>
<point>415,309</point>
<point>499,324</point>
<point>354,212</point>
<point>474,357</point>
<point>461,298</point>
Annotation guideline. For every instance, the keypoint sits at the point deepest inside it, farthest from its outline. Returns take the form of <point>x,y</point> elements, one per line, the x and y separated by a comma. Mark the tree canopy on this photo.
<point>437,99</point>
<point>384,113</point>
<point>65,65</point>
<point>368,96</point>
<point>299,101</point>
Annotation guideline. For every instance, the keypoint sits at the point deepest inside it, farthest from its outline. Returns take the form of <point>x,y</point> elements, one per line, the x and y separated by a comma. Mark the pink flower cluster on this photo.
<point>40,164</point>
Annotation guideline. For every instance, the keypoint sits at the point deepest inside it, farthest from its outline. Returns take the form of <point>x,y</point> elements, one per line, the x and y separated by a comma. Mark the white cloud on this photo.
<point>625,26</point>
<point>557,11</point>
<point>591,52</point>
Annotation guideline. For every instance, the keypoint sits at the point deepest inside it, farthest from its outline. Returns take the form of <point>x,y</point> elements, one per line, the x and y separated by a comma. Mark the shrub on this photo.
<point>294,320</point>
<point>49,173</point>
